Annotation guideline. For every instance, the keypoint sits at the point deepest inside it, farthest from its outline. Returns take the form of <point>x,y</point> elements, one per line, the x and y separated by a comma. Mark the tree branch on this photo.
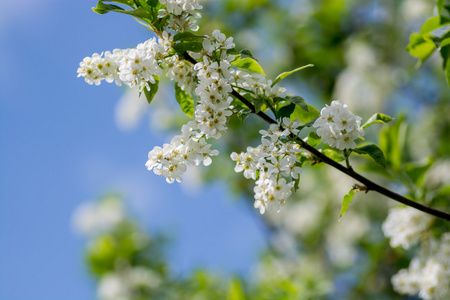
<point>370,185</point>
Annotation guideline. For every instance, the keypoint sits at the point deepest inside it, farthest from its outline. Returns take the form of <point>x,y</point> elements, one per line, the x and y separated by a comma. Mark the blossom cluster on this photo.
<point>188,148</point>
<point>429,274</point>
<point>269,163</point>
<point>210,116</point>
<point>91,219</point>
<point>180,14</point>
<point>134,67</point>
<point>129,283</point>
<point>338,126</point>
<point>404,226</point>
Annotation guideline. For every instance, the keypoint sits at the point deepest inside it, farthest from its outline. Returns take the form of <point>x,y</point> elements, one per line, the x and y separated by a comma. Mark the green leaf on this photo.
<point>444,191</point>
<point>153,89</point>
<point>313,139</point>
<point>435,26</point>
<point>346,201</point>
<point>297,100</point>
<point>430,25</point>
<point>185,100</point>
<point>440,5</point>
<point>286,74</point>
<point>130,3</point>
<point>377,118</point>
<point>103,8</point>
<point>139,12</point>
<point>420,47</point>
<point>297,183</point>
<point>248,64</point>
<point>416,172</point>
<point>333,155</point>
<point>373,151</point>
<point>305,116</point>
<point>180,48</point>
<point>286,111</point>
<point>447,72</point>
<point>235,291</point>
<point>187,37</point>
<point>445,50</point>
<point>392,143</point>
<point>247,53</point>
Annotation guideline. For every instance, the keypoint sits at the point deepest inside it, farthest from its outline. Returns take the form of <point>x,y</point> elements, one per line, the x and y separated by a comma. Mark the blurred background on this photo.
<point>64,143</point>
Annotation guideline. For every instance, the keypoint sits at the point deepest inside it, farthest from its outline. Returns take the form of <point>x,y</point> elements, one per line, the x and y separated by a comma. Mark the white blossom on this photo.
<point>404,225</point>
<point>338,127</point>
<point>134,67</point>
<point>181,14</point>
<point>127,284</point>
<point>428,274</point>
<point>274,159</point>
<point>93,218</point>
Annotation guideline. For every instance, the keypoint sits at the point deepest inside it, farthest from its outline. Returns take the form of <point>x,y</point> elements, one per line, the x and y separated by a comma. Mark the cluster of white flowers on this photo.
<point>428,275</point>
<point>94,218</point>
<point>405,225</point>
<point>189,148</point>
<point>182,72</point>
<point>128,284</point>
<point>134,67</point>
<point>210,116</point>
<point>274,159</point>
<point>338,126</point>
<point>180,13</point>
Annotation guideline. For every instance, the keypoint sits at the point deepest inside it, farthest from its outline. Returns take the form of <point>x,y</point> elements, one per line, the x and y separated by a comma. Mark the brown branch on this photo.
<point>370,185</point>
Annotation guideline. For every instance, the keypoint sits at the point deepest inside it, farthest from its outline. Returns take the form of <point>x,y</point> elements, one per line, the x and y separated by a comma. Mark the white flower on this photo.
<point>338,127</point>
<point>95,218</point>
<point>127,284</point>
<point>274,159</point>
<point>133,67</point>
<point>404,226</point>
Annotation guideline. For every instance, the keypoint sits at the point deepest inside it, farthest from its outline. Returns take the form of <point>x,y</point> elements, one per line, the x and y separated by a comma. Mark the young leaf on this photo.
<point>303,115</point>
<point>286,111</point>
<point>248,64</point>
<point>420,47</point>
<point>447,72</point>
<point>416,172</point>
<point>346,201</point>
<point>150,5</point>
<point>187,37</point>
<point>430,24</point>
<point>188,46</point>
<point>313,139</point>
<point>153,89</point>
<point>373,151</point>
<point>139,12</point>
<point>235,291</point>
<point>440,5</point>
<point>130,3</point>
<point>377,118</point>
<point>445,51</point>
<point>333,155</point>
<point>186,102</point>
<point>286,74</point>
<point>247,53</point>
<point>297,100</point>
<point>392,143</point>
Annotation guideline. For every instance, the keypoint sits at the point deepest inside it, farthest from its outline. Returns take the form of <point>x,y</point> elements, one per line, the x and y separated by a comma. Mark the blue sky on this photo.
<point>60,146</point>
